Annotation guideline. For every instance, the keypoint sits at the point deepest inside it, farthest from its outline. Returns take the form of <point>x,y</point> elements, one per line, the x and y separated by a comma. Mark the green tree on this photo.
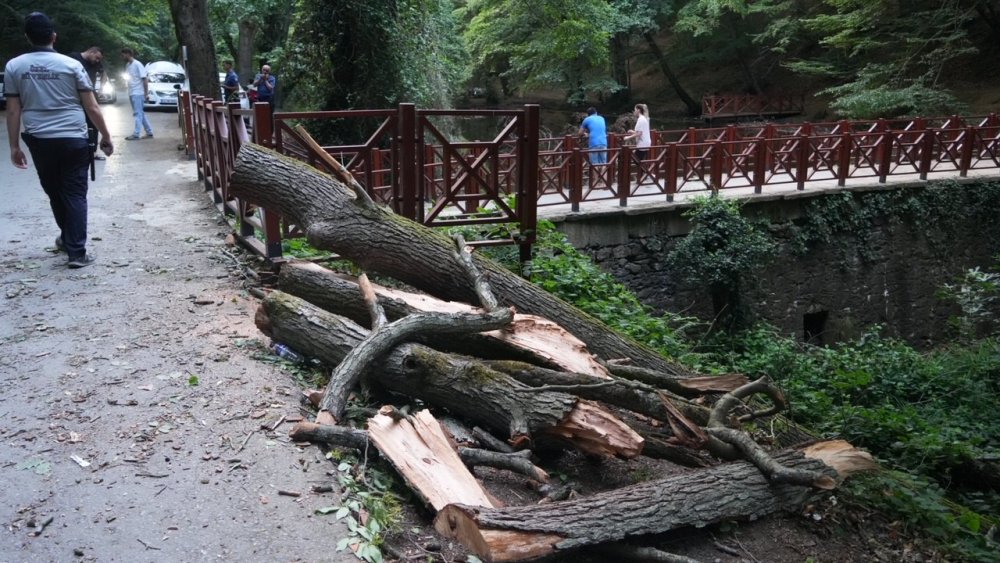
<point>245,28</point>
<point>545,44</point>
<point>346,55</point>
<point>721,253</point>
<point>888,57</point>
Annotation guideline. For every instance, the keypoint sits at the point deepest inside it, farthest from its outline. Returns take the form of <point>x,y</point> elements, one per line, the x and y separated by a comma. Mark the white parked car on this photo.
<point>244,102</point>
<point>166,80</point>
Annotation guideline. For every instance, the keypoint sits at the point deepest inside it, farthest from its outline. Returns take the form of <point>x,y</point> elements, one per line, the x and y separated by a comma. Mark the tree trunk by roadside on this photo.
<point>245,66</point>
<point>191,24</point>
<point>381,242</point>
<point>698,498</point>
<point>693,107</point>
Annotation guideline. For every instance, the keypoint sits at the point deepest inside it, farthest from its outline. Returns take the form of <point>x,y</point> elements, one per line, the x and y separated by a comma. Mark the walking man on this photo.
<point>138,91</point>
<point>93,62</point>
<point>49,94</point>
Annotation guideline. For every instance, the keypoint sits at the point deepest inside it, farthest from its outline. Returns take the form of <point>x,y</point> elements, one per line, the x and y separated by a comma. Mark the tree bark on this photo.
<point>463,385</point>
<point>698,498</point>
<point>381,242</point>
<point>244,52</point>
<point>191,23</point>
<point>636,397</point>
<point>529,338</point>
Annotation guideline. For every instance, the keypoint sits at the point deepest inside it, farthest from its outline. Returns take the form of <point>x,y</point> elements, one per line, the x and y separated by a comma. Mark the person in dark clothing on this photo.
<point>49,94</point>
<point>93,63</point>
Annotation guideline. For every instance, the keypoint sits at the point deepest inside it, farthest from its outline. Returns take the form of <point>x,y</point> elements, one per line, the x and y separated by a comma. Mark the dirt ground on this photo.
<point>135,423</point>
<point>142,418</point>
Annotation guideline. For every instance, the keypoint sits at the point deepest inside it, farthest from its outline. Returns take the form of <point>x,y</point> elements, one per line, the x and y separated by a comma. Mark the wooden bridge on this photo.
<point>735,106</point>
<point>413,163</point>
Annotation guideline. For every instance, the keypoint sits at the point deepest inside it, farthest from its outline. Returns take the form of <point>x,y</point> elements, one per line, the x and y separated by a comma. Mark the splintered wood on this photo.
<point>419,448</point>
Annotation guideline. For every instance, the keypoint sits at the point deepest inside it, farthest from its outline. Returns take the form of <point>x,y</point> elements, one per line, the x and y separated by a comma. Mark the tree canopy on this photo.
<point>865,58</point>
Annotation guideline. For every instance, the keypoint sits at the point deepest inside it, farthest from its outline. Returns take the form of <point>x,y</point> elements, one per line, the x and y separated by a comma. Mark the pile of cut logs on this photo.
<point>524,369</point>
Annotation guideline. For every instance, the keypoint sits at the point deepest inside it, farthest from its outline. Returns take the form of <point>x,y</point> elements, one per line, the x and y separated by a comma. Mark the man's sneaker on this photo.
<point>132,138</point>
<point>148,136</point>
<point>59,245</point>
<point>81,262</point>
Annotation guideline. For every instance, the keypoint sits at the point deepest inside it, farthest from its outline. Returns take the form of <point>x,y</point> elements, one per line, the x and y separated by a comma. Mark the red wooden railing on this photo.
<point>506,179</point>
<point>746,105</point>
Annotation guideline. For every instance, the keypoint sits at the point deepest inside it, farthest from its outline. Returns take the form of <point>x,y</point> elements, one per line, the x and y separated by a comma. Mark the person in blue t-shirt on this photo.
<point>265,82</point>
<point>596,130</point>
<point>231,84</point>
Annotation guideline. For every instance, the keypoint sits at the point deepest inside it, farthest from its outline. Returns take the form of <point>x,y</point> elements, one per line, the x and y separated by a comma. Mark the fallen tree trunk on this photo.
<point>529,338</point>
<point>379,241</point>
<point>731,491</point>
<point>463,385</point>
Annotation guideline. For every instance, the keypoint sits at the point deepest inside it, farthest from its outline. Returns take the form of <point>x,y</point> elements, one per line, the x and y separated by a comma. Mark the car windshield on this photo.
<point>166,77</point>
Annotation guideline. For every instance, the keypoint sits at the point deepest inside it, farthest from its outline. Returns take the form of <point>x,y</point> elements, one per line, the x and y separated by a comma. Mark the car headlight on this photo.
<point>107,89</point>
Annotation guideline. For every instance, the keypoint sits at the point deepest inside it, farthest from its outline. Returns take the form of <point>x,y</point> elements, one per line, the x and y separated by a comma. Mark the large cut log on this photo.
<point>422,454</point>
<point>333,218</point>
<point>529,338</point>
<point>463,385</point>
<point>697,498</point>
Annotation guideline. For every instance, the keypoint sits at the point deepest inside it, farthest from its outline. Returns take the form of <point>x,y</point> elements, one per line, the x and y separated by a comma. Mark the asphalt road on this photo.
<point>132,404</point>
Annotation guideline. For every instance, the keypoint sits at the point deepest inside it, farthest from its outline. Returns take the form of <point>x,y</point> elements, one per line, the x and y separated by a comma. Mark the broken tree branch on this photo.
<point>356,439</point>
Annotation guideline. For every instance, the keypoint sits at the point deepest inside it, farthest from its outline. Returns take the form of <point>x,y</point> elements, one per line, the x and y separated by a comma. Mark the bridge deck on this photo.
<point>652,199</point>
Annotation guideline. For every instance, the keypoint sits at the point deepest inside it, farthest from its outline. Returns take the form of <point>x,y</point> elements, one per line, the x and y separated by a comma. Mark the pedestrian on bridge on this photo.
<point>643,140</point>
<point>49,94</point>
<point>596,130</point>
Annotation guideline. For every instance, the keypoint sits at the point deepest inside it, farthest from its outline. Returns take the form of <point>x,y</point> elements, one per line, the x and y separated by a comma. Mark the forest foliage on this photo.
<point>880,58</point>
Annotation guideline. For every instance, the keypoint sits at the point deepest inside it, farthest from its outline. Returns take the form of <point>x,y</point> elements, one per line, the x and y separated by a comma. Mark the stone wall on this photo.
<point>890,274</point>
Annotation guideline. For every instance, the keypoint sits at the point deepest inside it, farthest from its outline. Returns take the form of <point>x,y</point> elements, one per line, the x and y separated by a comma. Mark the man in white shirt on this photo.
<point>138,91</point>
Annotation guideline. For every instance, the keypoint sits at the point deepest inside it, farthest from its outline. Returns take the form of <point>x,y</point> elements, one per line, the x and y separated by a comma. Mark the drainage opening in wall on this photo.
<point>813,327</point>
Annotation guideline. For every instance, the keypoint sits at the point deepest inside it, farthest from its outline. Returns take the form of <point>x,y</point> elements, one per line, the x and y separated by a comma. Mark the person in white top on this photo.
<point>138,91</point>
<point>643,140</point>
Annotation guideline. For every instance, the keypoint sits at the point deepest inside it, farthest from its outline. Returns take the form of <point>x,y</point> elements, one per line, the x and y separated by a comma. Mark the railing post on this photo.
<point>407,205</point>
<point>624,175</point>
<point>884,155</point>
<point>802,166</point>
<point>189,133</point>
<point>671,171</point>
<point>759,165</point>
<point>527,196</point>
<point>926,153</point>
<point>715,167</point>
<point>576,186</point>
<point>263,126</point>
<point>969,141</point>
<point>844,156</point>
